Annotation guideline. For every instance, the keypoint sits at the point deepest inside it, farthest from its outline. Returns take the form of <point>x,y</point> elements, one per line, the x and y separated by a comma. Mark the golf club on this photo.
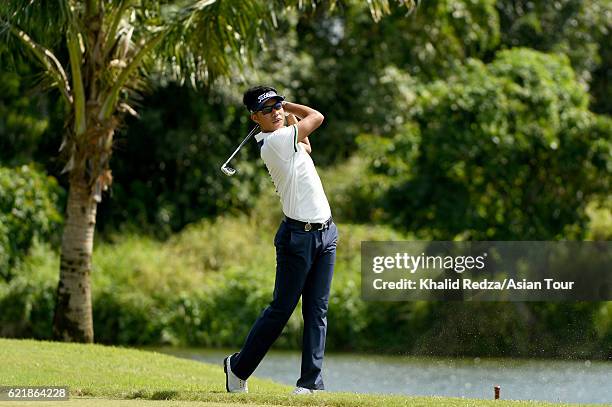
<point>229,171</point>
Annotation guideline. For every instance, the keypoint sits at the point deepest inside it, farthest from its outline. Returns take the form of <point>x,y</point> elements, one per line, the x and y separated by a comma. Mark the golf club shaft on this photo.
<point>255,129</point>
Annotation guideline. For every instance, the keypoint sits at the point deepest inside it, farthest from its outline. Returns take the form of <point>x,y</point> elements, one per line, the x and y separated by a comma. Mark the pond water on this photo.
<point>520,379</point>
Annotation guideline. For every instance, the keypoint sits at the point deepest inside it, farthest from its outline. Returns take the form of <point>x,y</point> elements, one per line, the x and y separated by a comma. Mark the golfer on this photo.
<point>305,242</point>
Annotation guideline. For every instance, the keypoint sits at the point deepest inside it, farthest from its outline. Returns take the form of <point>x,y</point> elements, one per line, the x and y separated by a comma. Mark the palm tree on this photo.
<point>98,54</point>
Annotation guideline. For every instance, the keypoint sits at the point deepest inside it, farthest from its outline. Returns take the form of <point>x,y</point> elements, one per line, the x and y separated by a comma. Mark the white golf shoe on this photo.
<point>303,390</point>
<point>233,384</point>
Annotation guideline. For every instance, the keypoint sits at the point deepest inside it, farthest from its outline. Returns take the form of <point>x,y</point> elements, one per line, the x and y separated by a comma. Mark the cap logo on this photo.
<point>266,95</point>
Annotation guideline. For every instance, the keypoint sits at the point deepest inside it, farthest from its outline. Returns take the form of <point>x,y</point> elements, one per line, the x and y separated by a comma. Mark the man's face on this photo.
<point>273,120</point>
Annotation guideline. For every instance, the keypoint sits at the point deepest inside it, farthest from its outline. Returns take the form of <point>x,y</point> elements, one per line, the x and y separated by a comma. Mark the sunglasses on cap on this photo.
<point>268,109</point>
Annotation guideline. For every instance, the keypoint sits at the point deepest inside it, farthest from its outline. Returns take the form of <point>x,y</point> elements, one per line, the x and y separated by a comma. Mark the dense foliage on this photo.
<point>501,151</point>
<point>356,66</point>
<point>28,211</point>
<point>22,114</point>
<point>578,28</point>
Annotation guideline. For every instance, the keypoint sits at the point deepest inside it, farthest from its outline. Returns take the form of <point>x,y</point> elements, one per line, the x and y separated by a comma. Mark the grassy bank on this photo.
<point>95,371</point>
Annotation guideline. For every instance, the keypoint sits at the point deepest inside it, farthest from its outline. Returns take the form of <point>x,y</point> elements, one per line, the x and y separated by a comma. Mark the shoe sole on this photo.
<point>226,376</point>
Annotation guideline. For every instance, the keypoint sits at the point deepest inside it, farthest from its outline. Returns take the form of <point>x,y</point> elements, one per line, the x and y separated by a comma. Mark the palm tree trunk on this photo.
<point>73,317</point>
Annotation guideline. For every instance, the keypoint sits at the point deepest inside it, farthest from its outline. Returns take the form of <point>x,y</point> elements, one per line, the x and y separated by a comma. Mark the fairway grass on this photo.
<point>97,402</point>
<point>111,377</point>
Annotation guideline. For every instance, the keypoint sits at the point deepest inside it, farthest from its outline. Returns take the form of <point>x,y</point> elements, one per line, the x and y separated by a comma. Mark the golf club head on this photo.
<point>228,170</point>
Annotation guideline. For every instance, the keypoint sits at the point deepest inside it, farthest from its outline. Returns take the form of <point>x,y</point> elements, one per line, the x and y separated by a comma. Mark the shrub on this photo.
<point>28,299</point>
<point>28,211</point>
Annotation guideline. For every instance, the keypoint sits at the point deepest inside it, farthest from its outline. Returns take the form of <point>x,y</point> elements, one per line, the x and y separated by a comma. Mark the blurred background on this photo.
<point>464,120</point>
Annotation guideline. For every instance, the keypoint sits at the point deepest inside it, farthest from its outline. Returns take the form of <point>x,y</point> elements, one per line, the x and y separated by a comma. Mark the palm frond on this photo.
<point>205,38</point>
<point>75,52</point>
<point>45,57</point>
<point>115,18</point>
<point>25,25</point>
<point>45,21</point>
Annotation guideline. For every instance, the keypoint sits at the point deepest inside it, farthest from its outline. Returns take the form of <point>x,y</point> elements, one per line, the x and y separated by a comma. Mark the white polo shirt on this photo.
<point>294,175</point>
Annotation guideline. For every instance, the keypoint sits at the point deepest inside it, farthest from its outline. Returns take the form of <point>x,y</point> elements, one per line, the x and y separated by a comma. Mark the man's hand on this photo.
<point>310,118</point>
<point>291,119</point>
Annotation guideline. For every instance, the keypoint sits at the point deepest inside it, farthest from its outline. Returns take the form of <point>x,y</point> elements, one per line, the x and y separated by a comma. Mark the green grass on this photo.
<point>119,376</point>
<point>98,402</point>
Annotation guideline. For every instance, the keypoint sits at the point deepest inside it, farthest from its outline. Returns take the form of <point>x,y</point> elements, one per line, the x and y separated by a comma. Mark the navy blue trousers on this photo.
<point>304,267</point>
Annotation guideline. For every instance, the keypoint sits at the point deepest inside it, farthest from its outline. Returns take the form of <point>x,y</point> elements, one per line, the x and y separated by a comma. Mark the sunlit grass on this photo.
<point>120,373</point>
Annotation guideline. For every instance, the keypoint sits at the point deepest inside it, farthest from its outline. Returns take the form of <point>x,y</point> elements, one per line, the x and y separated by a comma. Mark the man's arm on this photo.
<point>310,118</point>
<point>291,120</point>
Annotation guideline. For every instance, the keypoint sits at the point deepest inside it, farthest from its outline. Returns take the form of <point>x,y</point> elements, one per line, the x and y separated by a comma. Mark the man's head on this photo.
<point>265,105</point>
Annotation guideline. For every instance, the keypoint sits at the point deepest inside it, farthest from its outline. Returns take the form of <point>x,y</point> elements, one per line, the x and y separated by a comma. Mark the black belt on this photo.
<point>307,226</point>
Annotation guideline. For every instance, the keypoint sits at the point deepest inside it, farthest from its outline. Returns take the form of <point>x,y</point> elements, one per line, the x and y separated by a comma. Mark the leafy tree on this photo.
<point>111,47</point>
<point>502,151</point>
<point>578,28</point>
<point>356,64</point>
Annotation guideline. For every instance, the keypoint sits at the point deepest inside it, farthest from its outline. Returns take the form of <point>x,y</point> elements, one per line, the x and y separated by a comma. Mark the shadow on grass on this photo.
<point>158,395</point>
<point>164,395</point>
